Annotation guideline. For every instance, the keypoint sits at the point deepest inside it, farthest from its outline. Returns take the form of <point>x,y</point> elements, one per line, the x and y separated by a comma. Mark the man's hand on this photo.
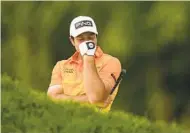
<point>88,48</point>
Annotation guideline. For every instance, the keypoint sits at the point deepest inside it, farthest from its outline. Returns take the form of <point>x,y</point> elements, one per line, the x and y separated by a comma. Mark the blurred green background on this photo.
<point>151,39</point>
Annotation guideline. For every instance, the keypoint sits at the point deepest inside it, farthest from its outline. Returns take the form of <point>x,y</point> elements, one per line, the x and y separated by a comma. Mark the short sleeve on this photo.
<point>110,72</point>
<point>56,77</point>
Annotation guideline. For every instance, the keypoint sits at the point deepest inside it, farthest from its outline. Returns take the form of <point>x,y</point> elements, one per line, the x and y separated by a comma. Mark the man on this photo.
<point>89,74</point>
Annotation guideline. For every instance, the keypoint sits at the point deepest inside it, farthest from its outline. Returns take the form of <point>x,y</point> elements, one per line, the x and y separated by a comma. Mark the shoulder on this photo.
<point>111,62</point>
<point>111,59</point>
<point>61,63</point>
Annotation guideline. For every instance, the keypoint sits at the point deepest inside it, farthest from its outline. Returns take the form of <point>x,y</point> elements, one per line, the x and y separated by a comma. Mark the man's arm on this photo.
<point>56,94</point>
<point>97,86</point>
<point>63,97</point>
<point>81,98</point>
<point>93,85</point>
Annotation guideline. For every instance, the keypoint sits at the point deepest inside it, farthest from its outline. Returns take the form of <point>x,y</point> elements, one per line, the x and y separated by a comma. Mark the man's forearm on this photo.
<point>93,85</point>
<point>63,97</point>
<point>81,98</point>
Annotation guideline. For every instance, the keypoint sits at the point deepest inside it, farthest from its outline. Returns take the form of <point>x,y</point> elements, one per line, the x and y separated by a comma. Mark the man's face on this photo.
<point>83,37</point>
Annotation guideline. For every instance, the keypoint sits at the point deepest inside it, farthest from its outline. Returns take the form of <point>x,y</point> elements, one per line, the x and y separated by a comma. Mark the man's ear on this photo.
<point>72,40</point>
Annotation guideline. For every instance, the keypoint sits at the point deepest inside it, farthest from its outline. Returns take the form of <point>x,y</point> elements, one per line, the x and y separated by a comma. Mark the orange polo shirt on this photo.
<point>69,74</point>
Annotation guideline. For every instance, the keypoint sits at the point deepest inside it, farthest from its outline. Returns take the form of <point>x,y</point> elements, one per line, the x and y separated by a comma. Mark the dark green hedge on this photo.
<point>27,111</point>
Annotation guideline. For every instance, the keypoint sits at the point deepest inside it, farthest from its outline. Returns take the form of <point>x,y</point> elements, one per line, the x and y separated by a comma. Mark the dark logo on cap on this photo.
<point>83,23</point>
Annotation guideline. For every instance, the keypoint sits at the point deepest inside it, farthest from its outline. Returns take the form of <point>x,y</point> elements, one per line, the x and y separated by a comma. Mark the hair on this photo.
<point>73,37</point>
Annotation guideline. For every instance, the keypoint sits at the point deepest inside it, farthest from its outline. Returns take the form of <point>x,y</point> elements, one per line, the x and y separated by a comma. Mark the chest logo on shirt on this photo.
<point>69,73</point>
<point>68,70</point>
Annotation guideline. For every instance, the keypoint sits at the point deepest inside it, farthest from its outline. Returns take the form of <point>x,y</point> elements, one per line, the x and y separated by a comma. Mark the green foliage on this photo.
<point>28,111</point>
<point>151,39</point>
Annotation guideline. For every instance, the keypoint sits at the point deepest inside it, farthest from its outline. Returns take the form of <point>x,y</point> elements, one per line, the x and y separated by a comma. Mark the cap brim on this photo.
<point>82,30</point>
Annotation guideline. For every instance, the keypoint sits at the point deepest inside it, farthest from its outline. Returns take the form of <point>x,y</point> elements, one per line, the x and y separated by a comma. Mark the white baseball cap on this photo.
<point>82,24</point>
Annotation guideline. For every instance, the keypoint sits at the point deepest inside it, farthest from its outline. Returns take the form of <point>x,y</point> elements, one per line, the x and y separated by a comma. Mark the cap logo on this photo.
<point>83,23</point>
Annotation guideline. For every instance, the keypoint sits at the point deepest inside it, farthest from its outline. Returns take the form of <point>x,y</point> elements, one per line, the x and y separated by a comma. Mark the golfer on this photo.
<point>89,74</point>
